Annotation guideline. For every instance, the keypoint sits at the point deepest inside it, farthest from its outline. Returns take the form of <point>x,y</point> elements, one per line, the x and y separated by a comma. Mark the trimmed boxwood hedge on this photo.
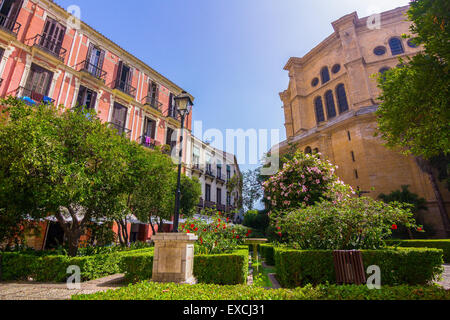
<point>17,266</point>
<point>221,269</point>
<point>169,291</point>
<point>437,244</point>
<point>412,266</point>
<point>267,253</point>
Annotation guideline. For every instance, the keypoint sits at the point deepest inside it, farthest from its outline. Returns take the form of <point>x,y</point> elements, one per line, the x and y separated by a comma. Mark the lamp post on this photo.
<point>184,105</point>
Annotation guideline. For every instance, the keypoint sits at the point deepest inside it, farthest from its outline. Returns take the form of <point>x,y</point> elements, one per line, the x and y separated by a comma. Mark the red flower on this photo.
<point>228,219</point>
<point>196,229</point>
<point>201,240</point>
<point>219,220</point>
<point>237,237</point>
<point>394,227</point>
<point>419,229</point>
<point>280,234</point>
<point>233,231</point>
<point>278,228</point>
<point>220,213</point>
<point>224,228</point>
<point>204,230</point>
<point>192,226</point>
<point>187,231</point>
<point>249,231</point>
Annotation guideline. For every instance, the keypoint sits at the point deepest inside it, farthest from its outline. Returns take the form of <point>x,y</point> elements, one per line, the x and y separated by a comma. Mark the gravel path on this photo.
<point>445,282</point>
<point>56,291</point>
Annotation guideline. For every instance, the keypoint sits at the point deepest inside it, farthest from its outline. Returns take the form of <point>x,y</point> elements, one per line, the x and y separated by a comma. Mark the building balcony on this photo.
<point>201,203</point>
<point>9,25</point>
<point>230,208</point>
<point>209,173</point>
<point>220,179</point>
<point>31,97</point>
<point>121,130</point>
<point>210,204</point>
<point>91,69</point>
<point>152,102</point>
<point>125,87</point>
<point>149,142</point>
<point>48,45</point>
<point>221,207</point>
<point>196,167</point>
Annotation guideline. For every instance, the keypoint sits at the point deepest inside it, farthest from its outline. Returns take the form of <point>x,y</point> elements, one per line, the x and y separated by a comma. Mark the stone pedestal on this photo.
<point>173,260</point>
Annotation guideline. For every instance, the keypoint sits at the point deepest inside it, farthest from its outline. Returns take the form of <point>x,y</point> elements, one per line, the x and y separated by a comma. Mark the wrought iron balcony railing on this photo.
<point>125,87</point>
<point>209,173</point>
<point>210,204</point>
<point>9,25</point>
<point>31,97</point>
<point>196,167</point>
<point>92,69</point>
<point>49,45</point>
<point>152,102</point>
<point>121,130</point>
<point>148,142</point>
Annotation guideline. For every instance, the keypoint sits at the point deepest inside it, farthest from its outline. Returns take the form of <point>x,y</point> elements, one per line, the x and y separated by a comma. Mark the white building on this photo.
<point>215,169</point>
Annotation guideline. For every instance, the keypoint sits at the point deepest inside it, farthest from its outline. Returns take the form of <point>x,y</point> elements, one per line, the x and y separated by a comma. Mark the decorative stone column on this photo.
<point>173,260</point>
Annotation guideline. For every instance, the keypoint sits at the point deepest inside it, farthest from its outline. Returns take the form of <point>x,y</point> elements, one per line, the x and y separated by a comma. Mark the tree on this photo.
<point>415,110</point>
<point>191,191</point>
<point>60,162</point>
<point>406,196</point>
<point>252,189</point>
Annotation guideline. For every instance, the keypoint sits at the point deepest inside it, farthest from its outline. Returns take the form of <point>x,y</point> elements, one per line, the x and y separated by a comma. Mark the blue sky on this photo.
<point>229,54</point>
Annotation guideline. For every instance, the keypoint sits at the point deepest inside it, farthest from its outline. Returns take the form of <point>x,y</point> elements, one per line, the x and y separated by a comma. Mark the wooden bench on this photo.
<point>349,267</point>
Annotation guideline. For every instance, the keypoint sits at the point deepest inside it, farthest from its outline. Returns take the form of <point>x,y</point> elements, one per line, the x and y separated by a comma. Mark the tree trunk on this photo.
<point>73,239</point>
<point>428,169</point>
<point>153,227</point>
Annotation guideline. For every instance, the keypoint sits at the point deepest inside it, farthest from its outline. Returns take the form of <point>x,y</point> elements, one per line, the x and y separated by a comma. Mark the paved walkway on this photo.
<point>56,291</point>
<point>445,282</point>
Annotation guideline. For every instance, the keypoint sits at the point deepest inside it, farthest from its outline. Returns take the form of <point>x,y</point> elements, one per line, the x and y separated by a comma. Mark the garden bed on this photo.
<point>168,291</point>
<point>411,266</point>
<point>225,269</point>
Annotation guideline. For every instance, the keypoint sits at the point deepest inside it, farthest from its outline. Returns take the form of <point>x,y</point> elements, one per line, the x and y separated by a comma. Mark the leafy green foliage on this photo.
<point>353,223</point>
<point>268,253</point>
<point>191,191</point>
<point>53,268</point>
<point>207,292</point>
<point>415,111</point>
<point>436,244</point>
<point>258,220</point>
<point>413,266</point>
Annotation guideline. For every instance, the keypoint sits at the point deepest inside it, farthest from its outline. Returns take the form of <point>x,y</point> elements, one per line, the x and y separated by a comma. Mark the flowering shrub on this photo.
<point>303,181</point>
<point>216,236</point>
<point>353,223</point>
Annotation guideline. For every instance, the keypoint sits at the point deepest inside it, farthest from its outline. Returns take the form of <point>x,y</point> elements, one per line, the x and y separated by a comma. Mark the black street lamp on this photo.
<point>184,105</point>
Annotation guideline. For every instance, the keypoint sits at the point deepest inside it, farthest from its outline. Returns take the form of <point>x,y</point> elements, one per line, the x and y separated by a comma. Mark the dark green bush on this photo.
<point>170,291</point>
<point>268,253</point>
<point>224,269</point>
<point>228,269</point>
<point>437,244</point>
<point>53,268</point>
<point>257,220</point>
<point>412,266</point>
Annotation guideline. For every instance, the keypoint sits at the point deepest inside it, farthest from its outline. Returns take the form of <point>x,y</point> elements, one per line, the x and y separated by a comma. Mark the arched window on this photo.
<point>331,107</point>
<point>342,98</point>
<point>320,115</point>
<point>325,75</point>
<point>396,46</point>
<point>308,150</point>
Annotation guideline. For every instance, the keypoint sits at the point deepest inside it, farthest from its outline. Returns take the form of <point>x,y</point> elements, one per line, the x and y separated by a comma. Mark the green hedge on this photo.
<point>17,266</point>
<point>222,269</point>
<point>412,266</point>
<point>170,291</point>
<point>437,244</point>
<point>267,253</point>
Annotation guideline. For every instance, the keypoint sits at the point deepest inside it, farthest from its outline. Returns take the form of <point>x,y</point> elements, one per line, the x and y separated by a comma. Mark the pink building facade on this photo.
<point>47,55</point>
